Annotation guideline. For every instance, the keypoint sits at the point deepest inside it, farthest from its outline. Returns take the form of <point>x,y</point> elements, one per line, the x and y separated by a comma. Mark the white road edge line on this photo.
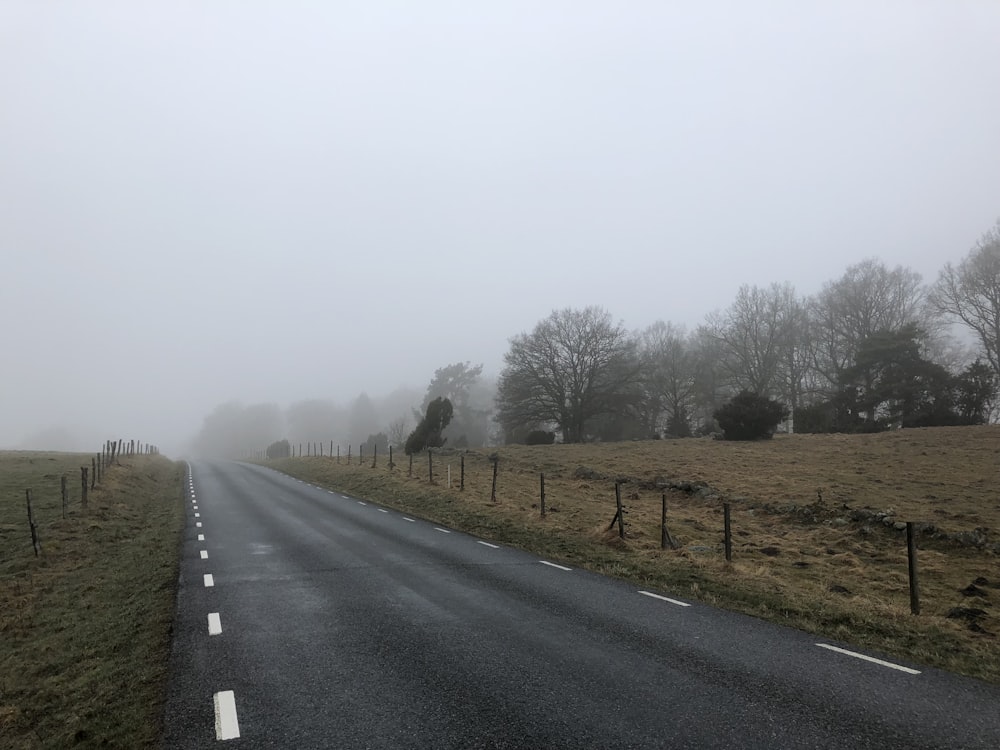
<point>872,659</point>
<point>561,567</point>
<point>214,623</point>
<point>209,580</point>
<point>487,544</point>
<point>226,725</point>
<point>665,598</point>
<point>443,531</point>
<point>204,554</point>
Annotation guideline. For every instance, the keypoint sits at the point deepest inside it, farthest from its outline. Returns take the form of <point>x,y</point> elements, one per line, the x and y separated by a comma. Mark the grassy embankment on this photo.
<point>85,628</point>
<point>811,546</point>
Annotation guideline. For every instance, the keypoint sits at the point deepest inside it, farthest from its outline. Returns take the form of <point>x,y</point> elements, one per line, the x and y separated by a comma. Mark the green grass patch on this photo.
<point>85,627</point>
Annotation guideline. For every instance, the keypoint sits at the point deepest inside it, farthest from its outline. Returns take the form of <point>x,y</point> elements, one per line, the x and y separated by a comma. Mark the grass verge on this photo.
<point>817,543</point>
<point>85,627</point>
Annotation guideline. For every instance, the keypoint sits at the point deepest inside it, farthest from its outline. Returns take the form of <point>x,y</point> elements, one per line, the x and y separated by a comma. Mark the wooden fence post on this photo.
<point>621,511</point>
<point>64,493</point>
<point>391,464</point>
<point>728,532</point>
<point>911,557</point>
<point>461,485</point>
<point>374,454</point>
<point>541,492</point>
<point>31,523</point>
<point>83,481</point>
<point>493,490</point>
<point>361,454</point>
<point>93,478</point>
<point>410,472</point>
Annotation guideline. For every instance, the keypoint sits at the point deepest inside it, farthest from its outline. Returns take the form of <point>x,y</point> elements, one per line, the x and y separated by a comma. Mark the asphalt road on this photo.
<point>330,623</point>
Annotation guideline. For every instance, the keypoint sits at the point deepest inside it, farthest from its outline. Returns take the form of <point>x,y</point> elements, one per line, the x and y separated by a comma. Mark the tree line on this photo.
<point>873,349</point>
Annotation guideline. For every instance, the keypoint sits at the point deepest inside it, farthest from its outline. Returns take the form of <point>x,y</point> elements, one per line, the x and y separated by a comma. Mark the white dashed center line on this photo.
<point>204,554</point>
<point>872,659</point>
<point>209,580</point>
<point>201,537</point>
<point>411,520</point>
<point>214,624</point>
<point>226,725</point>
<point>382,510</point>
<point>487,544</point>
<point>361,503</point>
<point>197,515</point>
<point>665,598</point>
<point>443,531</point>
<point>552,564</point>
<point>198,524</point>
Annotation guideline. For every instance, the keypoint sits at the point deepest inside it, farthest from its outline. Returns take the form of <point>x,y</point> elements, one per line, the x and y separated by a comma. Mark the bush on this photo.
<point>279,449</point>
<point>540,437</point>
<point>427,434</point>
<point>750,417</point>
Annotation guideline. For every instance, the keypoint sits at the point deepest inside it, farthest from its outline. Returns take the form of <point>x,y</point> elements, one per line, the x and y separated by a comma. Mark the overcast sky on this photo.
<point>271,201</point>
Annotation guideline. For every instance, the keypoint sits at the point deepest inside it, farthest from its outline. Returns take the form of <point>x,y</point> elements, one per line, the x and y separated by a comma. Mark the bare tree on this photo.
<point>668,378</point>
<point>575,366</point>
<point>755,334</point>
<point>970,293</point>
<point>398,431</point>
<point>867,299</point>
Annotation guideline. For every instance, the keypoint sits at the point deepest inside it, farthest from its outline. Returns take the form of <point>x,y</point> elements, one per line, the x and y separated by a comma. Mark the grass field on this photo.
<point>816,537</point>
<point>85,627</point>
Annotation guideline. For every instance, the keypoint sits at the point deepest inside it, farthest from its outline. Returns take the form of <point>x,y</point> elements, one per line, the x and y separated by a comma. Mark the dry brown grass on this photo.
<point>814,544</point>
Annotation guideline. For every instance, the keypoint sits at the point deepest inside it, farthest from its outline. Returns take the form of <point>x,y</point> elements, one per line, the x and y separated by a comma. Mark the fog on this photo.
<point>269,202</point>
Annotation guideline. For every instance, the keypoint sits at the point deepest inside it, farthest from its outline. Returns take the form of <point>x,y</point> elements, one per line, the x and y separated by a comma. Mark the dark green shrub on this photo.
<point>750,417</point>
<point>279,449</point>
<point>427,434</point>
<point>540,437</point>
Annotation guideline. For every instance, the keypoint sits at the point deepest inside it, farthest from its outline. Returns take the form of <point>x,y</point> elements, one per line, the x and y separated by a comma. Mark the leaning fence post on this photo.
<point>911,556</point>
<point>83,481</point>
<point>621,512</point>
<point>728,532</point>
<point>541,492</point>
<point>31,523</point>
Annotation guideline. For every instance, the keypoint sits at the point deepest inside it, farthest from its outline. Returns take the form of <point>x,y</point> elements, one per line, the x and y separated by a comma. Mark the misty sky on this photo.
<point>272,201</point>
